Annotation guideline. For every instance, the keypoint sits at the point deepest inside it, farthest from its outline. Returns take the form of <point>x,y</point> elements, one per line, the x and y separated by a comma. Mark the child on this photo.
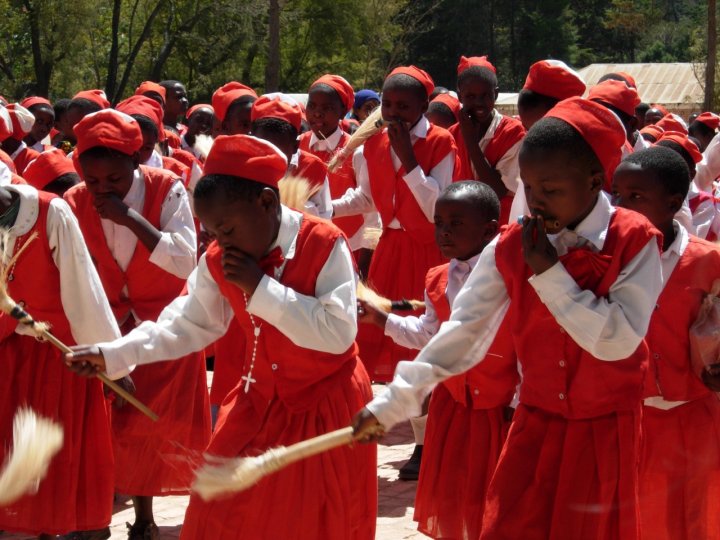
<point>680,459</point>
<point>487,141</point>
<point>58,138</point>
<point>56,282</point>
<point>444,111</point>
<point>704,128</point>
<point>82,104</point>
<point>622,100</point>
<point>365,102</point>
<point>22,122</point>
<point>288,279</point>
<point>400,171</point>
<point>578,281</point>
<point>44,115</point>
<point>52,171</point>
<point>467,419</point>
<point>200,120</point>
<point>175,106</point>
<point>232,103</point>
<point>152,90</point>
<point>139,230</point>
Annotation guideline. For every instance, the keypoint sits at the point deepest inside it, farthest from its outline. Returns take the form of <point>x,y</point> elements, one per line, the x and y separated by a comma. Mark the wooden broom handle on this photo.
<point>319,444</point>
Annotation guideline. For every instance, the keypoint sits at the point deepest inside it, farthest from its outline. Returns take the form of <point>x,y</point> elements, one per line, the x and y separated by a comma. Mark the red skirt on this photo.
<point>229,361</point>
<point>329,496</point>
<point>462,447</point>
<point>680,472</point>
<point>77,492</point>
<point>158,458</point>
<point>397,272</point>
<point>560,479</point>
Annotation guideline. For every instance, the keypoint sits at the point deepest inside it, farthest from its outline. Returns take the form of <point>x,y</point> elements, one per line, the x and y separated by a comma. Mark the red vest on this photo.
<point>298,376</point>
<point>150,288</point>
<point>23,159</point>
<point>492,382</point>
<point>390,193</point>
<point>340,181</point>
<point>676,311</point>
<point>558,375</point>
<point>179,169</point>
<point>311,168</point>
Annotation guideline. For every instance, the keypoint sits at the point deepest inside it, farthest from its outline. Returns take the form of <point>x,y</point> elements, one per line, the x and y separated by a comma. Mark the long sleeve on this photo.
<point>608,328</point>
<point>358,200</point>
<point>427,188</point>
<point>413,332</point>
<point>320,204</point>
<point>190,323</point>
<point>709,168</point>
<point>325,322</point>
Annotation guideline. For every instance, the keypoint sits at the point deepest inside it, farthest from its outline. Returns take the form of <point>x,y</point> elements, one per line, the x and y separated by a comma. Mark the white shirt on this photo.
<point>81,292</point>
<point>709,168</point>
<point>705,219</point>
<point>425,188</point>
<point>508,166</point>
<point>608,328</point>
<point>5,175</point>
<point>325,322</point>
<point>320,203</point>
<point>415,332</point>
<point>328,144</point>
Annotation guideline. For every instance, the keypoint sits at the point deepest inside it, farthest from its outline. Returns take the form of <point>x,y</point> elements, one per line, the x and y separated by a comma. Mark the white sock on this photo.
<point>418,426</point>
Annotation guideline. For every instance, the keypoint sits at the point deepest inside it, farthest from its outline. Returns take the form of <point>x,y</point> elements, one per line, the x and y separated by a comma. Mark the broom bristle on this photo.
<point>296,191</point>
<point>373,124</point>
<point>366,294</point>
<point>36,440</point>
<point>372,235</point>
<point>203,144</point>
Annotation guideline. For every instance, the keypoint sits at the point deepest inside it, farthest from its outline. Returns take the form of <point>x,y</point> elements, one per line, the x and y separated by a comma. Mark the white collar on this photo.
<point>420,130</point>
<point>330,143</point>
<point>29,209</point>
<point>290,221</point>
<point>136,188</point>
<point>678,246</point>
<point>492,128</point>
<point>594,227</point>
<point>471,262</point>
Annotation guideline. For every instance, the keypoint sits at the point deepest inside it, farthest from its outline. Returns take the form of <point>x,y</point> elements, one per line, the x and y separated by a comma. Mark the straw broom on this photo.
<point>36,440</point>
<point>366,294</point>
<point>295,191</point>
<point>373,124</point>
<point>42,330</point>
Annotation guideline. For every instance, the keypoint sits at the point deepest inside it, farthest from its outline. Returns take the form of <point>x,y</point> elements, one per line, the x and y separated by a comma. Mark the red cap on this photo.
<point>683,140</point>
<point>711,120</point>
<point>599,126</point>
<point>48,166</point>
<point>197,107</point>
<point>474,61</point>
<point>145,106</point>
<point>670,122</point>
<point>35,100</point>
<point>108,128</point>
<point>246,157</point>
<point>628,78</point>
<point>149,86</point>
<point>416,73</point>
<point>341,86</point>
<point>22,120</point>
<point>450,101</point>
<point>554,79</point>
<point>653,130</point>
<point>226,94</point>
<point>96,96</point>
<point>6,126</point>
<point>616,93</point>
<point>278,106</point>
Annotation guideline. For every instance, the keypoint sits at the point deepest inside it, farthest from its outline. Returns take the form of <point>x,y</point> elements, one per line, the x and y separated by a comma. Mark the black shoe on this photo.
<point>143,531</point>
<point>411,469</point>
<point>97,534</point>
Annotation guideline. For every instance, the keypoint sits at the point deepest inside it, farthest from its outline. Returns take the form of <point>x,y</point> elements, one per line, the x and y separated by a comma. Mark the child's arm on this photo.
<point>485,172</point>
<point>409,331</point>
<point>358,200</point>
<point>320,204</point>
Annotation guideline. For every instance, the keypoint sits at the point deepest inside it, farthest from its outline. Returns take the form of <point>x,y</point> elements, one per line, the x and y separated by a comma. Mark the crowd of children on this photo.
<point>560,260</point>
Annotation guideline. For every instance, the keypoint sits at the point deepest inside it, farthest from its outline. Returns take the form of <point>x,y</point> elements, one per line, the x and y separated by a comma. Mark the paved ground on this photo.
<point>395,503</point>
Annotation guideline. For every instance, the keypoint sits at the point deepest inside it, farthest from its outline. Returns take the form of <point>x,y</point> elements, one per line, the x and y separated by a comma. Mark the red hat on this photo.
<point>652,129</point>
<point>145,106</point>
<point>48,166</point>
<point>628,78</point>
<point>616,93</point>
<point>278,106</point>
<point>22,120</point>
<point>226,94</point>
<point>671,122</point>
<point>711,120</point>
<point>554,79</point>
<point>35,100</point>
<point>683,140</point>
<point>197,107</point>
<point>96,96</point>
<point>474,61</point>
<point>450,101</point>
<point>149,86</point>
<point>108,128</point>
<point>599,126</point>
<point>341,86</point>
<point>416,73</point>
<point>6,125</point>
<point>248,157</point>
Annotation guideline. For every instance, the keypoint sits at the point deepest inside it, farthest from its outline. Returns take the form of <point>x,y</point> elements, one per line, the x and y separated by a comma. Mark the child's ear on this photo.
<point>675,203</point>
<point>268,200</point>
<point>497,92</point>
<point>425,106</point>
<point>491,230</point>
<point>597,180</point>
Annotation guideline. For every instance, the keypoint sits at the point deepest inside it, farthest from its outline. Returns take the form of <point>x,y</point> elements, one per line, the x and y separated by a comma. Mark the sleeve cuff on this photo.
<point>264,301</point>
<point>387,411</point>
<point>393,325</point>
<point>552,283</point>
<point>115,366</point>
<point>414,177</point>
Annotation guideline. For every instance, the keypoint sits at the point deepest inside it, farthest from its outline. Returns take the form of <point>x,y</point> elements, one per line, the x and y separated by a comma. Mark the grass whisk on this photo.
<point>203,144</point>
<point>366,294</point>
<point>295,192</point>
<point>373,124</point>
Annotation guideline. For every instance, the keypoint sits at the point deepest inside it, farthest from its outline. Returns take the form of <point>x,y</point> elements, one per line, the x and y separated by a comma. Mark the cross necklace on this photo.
<point>256,335</point>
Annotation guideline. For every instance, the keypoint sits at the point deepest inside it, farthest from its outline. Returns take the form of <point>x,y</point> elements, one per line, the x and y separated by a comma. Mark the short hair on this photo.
<point>443,110</point>
<point>551,134</point>
<point>327,89</point>
<point>230,188</point>
<point>670,169</point>
<point>275,125</point>
<point>147,125</point>
<point>642,108</point>
<point>479,194</point>
<point>615,77</point>
<point>103,152</point>
<point>62,183</point>
<point>684,154</point>
<point>239,103</point>
<point>169,83</point>
<point>401,81</point>
<point>437,91</point>
<point>701,129</point>
<point>528,99</point>
<point>85,105</point>
<point>60,107</point>
<point>486,75</point>
<point>42,107</point>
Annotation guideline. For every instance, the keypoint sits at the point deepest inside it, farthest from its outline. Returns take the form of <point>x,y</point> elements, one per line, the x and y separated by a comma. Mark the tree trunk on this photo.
<point>112,64</point>
<point>711,57</point>
<point>43,68</point>
<point>272,70</point>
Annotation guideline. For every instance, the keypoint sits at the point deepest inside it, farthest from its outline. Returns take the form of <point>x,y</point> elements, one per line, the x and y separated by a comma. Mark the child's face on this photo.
<point>368,107</point>
<point>201,122</point>
<point>402,105</point>
<point>324,111</point>
<point>477,98</point>
<point>177,101</point>
<point>108,175</point>
<point>237,120</point>
<point>461,232</point>
<point>440,119</point>
<point>558,188</point>
<point>640,190</point>
<point>653,116</point>
<point>67,124</point>
<point>530,116</point>
<point>44,122</point>
<point>148,145</point>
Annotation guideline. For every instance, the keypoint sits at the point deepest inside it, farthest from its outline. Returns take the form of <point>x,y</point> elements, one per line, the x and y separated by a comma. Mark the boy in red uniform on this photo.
<point>467,418</point>
<point>175,104</point>
<point>578,282</point>
<point>232,103</point>
<point>44,114</point>
<point>680,459</point>
<point>22,124</point>
<point>487,141</point>
<point>288,279</point>
<point>401,172</point>
<point>139,229</point>
<point>52,171</point>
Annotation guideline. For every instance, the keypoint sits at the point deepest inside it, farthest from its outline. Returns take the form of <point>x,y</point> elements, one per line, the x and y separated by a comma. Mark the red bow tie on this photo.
<point>271,261</point>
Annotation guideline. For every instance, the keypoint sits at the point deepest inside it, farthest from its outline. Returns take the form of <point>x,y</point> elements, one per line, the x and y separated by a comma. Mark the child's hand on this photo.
<point>113,208</point>
<point>399,136</point>
<point>366,427</point>
<point>370,314</point>
<point>711,377</point>
<point>86,360</point>
<point>469,128</point>
<point>540,255</point>
<point>241,269</point>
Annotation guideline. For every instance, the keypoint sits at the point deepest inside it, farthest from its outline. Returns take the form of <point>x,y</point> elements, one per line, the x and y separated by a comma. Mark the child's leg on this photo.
<point>144,527</point>
<point>411,469</point>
